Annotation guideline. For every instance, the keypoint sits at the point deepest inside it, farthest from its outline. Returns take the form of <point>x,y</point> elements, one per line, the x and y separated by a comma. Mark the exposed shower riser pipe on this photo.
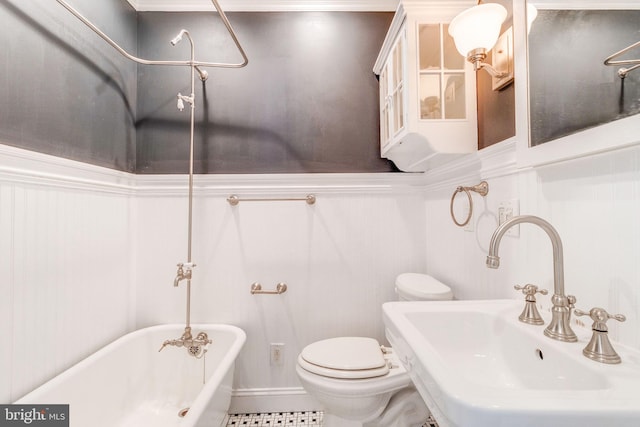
<point>194,345</point>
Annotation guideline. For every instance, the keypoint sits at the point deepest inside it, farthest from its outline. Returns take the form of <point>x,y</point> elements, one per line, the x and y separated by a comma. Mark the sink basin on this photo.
<point>475,364</point>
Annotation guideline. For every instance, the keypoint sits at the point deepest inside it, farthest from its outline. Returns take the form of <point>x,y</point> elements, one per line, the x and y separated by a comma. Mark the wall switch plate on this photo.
<point>276,354</point>
<point>507,209</point>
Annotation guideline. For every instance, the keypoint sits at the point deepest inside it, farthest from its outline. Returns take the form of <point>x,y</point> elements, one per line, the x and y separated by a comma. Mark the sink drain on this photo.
<point>183,412</point>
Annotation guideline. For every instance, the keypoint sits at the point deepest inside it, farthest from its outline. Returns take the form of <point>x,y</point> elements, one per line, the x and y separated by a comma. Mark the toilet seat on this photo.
<point>344,358</point>
<point>422,287</point>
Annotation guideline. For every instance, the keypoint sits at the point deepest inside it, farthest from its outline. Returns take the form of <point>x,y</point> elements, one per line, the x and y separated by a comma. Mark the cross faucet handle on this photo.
<point>530,290</point>
<point>599,347</point>
<point>600,317</point>
<point>530,313</point>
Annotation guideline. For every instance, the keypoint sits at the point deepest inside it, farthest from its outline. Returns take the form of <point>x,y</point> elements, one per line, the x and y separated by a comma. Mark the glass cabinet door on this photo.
<point>398,85</point>
<point>384,108</point>
<point>392,95</point>
<point>441,82</point>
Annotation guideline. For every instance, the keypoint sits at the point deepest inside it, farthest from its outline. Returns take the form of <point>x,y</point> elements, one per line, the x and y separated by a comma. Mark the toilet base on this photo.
<point>331,420</point>
<point>405,409</point>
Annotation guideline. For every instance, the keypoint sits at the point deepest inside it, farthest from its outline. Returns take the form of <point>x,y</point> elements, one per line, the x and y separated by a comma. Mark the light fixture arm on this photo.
<point>477,57</point>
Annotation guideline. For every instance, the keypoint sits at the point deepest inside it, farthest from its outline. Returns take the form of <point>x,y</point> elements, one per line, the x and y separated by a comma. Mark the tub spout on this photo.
<point>559,328</point>
<point>176,343</point>
<point>184,272</point>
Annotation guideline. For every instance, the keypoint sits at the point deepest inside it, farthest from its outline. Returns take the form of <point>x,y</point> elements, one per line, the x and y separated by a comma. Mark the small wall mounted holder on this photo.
<point>256,288</point>
<point>482,189</point>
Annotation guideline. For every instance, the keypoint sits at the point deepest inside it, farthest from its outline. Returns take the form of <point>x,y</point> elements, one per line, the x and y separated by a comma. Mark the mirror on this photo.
<point>570,88</point>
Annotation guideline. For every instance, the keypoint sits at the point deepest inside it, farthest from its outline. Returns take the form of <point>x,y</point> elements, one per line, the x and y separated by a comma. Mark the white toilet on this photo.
<point>361,383</point>
<point>421,287</point>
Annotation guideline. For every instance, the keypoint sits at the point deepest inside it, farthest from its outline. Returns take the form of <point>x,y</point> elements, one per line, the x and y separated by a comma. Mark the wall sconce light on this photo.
<point>476,31</point>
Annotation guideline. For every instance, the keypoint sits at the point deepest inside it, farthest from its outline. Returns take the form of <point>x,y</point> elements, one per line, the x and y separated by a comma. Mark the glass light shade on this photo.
<point>477,27</point>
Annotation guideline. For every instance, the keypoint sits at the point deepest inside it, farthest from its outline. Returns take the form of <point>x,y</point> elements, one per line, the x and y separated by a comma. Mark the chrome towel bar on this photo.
<point>234,200</point>
<point>256,288</point>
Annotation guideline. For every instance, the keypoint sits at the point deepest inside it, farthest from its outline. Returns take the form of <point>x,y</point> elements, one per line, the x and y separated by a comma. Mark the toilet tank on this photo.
<point>421,287</point>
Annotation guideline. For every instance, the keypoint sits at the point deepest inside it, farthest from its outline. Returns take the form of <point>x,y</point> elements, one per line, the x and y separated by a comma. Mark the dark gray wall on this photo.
<point>64,91</point>
<point>307,101</point>
<point>570,87</point>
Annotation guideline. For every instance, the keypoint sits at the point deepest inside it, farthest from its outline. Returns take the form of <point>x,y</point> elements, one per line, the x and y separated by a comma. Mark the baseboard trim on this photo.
<point>272,400</point>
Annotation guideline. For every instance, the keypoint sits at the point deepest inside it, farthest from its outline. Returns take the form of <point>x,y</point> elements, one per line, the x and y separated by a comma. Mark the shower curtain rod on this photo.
<point>153,62</point>
<point>622,72</point>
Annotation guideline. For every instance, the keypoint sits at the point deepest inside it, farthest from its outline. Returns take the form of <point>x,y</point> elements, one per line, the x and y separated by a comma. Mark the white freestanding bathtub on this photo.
<point>129,383</point>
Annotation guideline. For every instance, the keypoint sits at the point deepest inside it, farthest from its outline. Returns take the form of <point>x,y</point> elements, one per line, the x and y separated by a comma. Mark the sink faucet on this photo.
<point>559,328</point>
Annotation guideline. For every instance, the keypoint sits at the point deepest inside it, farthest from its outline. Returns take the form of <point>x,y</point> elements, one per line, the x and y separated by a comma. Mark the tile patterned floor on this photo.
<point>288,419</point>
<point>430,422</point>
<point>277,419</point>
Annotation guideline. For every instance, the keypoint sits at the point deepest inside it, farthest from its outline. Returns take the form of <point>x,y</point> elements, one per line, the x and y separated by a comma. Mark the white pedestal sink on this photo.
<point>476,365</point>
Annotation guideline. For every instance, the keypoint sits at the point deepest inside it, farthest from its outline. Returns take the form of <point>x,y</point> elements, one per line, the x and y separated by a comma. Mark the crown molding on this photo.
<point>265,5</point>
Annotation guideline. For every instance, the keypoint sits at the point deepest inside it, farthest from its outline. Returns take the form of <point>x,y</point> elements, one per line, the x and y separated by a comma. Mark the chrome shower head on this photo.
<point>178,38</point>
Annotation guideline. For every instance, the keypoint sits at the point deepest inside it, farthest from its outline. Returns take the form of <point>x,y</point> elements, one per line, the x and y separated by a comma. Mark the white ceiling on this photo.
<point>265,5</point>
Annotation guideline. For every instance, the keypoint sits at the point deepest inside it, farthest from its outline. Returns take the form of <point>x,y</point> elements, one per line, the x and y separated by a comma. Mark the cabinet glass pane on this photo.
<point>429,46</point>
<point>452,58</point>
<point>384,126</point>
<point>384,90</point>
<point>454,102</point>
<point>397,64</point>
<point>398,112</point>
<point>384,107</point>
<point>430,105</point>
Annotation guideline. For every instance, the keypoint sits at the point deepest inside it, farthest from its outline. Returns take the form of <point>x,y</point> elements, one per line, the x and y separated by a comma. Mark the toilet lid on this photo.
<point>422,287</point>
<point>345,357</point>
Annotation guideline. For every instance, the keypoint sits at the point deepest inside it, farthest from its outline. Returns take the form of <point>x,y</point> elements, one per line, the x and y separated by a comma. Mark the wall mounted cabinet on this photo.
<point>427,89</point>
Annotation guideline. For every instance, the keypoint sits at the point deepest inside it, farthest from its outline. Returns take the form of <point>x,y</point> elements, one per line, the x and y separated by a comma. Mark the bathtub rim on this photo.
<point>213,382</point>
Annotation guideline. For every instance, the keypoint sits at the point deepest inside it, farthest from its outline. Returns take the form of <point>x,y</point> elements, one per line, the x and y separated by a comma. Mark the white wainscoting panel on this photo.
<point>338,257</point>
<point>65,264</point>
<point>593,202</point>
